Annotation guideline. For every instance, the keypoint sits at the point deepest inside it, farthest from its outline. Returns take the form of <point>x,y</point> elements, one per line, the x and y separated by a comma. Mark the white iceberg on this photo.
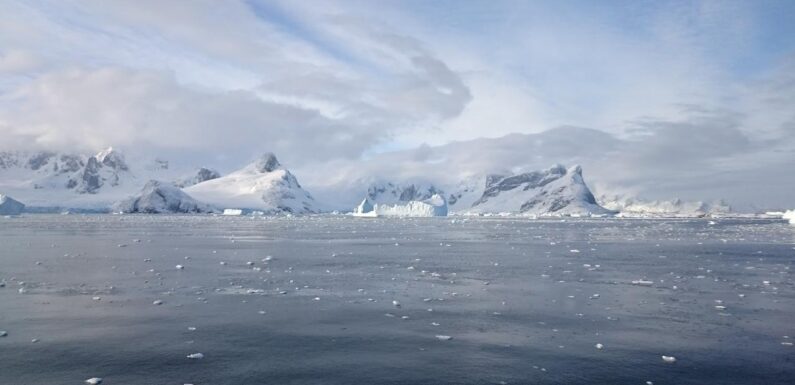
<point>789,215</point>
<point>435,206</point>
<point>10,206</point>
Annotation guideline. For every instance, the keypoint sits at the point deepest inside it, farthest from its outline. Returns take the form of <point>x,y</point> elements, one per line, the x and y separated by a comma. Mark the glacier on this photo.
<point>434,206</point>
<point>628,206</point>
<point>161,197</point>
<point>10,206</point>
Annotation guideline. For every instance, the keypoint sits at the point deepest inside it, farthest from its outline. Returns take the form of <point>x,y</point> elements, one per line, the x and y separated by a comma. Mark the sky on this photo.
<point>691,99</point>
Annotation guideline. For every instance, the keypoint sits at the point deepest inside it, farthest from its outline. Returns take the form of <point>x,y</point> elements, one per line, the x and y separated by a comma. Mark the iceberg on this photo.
<point>10,206</point>
<point>435,206</point>
<point>789,215</point>
<point>161,197</point>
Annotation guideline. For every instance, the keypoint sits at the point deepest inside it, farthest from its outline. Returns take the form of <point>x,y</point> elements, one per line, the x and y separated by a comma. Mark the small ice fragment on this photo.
<point>396,303</point>
<point>196,356</point>
<point>3,333</point>
<point>442,337</point>
<point>641,282</point>
<point>316,298</point>
<point>157,302</point>
<point>34,340</point>
<point>94,381</point>
<point>250,263</point>
<point>192,328</point>
<point>599,346</point>
<point>574,251</point>
<point>435,323</point>
<point>261,312</point>
<point>96,298</point>
<point>669,359</point>
<point>222,263</point>
<point>180,267</point>
<point>786,343</point>
<point>720,307</point>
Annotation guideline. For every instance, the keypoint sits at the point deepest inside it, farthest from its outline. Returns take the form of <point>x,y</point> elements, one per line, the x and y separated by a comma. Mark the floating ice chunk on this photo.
<point>179,267</point>
<point>94,381</point>
<point>97,298</point>
<point>641,282</point>
<point>196,356</point>
<point>192,328</point>
<point>790,215</point>
<point>669,359</point>
<point>3,333</point>
<point>396,303</point>
<point>233,212</point>
<point>157,302</point>
<point>442,337</point>
<point>599,346</point>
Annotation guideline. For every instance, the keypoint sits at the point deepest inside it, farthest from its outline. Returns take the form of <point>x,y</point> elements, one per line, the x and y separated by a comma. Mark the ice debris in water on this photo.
<point>3,333</point>
<point>669,359</point>
<point>196,356</point>
<point>94,381</point>
<point>641,282</point>
<point>157,302</point>
<point>599,346</point>
<point>179,267</point>
<point>443,337</point>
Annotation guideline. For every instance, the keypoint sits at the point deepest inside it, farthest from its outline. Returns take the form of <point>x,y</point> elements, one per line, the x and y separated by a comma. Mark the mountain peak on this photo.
<point>112,158</point>
<point>267,163</point>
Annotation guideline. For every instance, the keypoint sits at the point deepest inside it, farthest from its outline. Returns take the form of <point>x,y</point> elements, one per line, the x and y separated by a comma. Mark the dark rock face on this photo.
<point>498,183</point>
<point>88,179</point>
<point>267,163</point>
<point>39,160</point>
<point>205,174</point>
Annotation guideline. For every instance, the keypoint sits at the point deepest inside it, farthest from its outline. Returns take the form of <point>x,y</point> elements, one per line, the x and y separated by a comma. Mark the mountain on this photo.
<point>555,191</point>
<point>391,193</point>
<point>263,185</point>
<point>161,197</point>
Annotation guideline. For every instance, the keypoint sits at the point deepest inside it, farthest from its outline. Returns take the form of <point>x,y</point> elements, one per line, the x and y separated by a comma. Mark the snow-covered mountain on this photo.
<point>50,181</point>
<point>263,185</point>
<point>555,191</point>
<point>161,197</point>
<point>631,206</point>
<point>391,193</point>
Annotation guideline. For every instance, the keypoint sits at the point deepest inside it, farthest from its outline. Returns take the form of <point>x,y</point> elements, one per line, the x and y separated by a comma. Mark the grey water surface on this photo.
<point>309,300</point>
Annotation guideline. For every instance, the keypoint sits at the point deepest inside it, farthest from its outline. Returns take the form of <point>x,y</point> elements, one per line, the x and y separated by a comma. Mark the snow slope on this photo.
<point>263,185</point>
<point>161,197</point>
